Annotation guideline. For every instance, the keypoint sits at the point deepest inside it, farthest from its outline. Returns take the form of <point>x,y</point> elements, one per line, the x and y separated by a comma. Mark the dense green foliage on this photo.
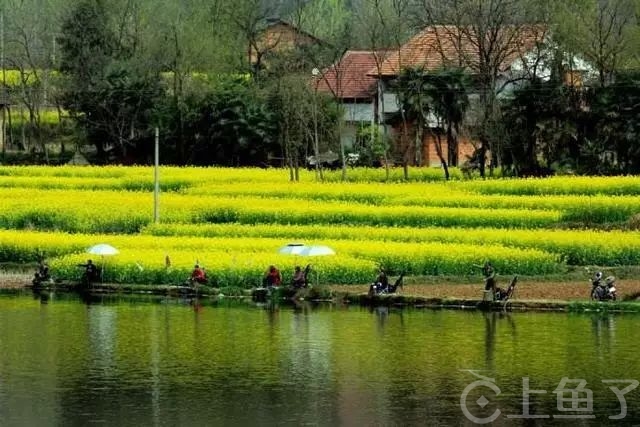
<point>114,76</point>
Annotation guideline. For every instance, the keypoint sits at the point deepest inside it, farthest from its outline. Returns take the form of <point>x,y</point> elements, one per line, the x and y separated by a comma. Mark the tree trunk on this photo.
<point>384,126</point>
<point>386,165</point>
<point>287,156</point>
<point>23,134</point>
<point>405,146</point>
<point>343,159</point>
<point>3,126</point>
<point>452,145</point>
<point>177,96</point>
<point>62,147</point>
<point>418,146</point>
<point>9,127</point>
<point>483,154</point>
<point>180,127</point>
<point>440,153</point>
<point>316,148</point>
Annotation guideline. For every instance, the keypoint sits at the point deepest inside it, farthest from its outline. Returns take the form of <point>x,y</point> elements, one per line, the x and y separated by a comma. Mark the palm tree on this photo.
<point>410,88</point>
<point>447,90</point>
<point>443,93</point>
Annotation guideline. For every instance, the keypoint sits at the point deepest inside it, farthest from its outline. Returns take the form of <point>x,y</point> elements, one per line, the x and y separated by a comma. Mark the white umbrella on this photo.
<point>291,249</point>
<point>103,249</point>
<point>316,250</point>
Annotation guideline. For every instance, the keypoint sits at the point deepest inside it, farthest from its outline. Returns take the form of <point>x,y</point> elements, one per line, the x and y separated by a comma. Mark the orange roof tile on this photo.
<point>448,45</point>
<point>348,77</point>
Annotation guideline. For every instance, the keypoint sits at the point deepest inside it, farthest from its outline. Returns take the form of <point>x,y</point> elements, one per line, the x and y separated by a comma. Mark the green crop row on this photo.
<point>223,269</point>
<point>92,184</point>
<point>564,185</point>
<point>255,211</point>
<point>430,258</point>
<point>577,185</point>
<point>123,212</point>
<point>574,208</point>
<point>576,247</point>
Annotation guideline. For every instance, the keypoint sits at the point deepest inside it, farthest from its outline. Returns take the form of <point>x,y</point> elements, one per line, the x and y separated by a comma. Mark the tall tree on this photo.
<point>249,19</point>
<point>30,28</point>
<point>233,126</point>
<point>447,89</point>
<point>188,38</point>
<point>292,102</point>
<point>486,36</point>
<point>615,114</point>
<point>605,32</point>
<point>382,26</point>
<point>107,90</point>
<point>331,21</point>
<point>415,108</point>
<point>430,102</point>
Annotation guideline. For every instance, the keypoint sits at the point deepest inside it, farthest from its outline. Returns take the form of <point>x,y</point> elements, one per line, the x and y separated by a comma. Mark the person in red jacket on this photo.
<point>197,275</point>
<point>273,277</point>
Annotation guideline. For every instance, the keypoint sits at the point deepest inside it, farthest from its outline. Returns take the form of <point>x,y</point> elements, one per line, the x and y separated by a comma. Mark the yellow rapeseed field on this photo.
<point>233,221</point>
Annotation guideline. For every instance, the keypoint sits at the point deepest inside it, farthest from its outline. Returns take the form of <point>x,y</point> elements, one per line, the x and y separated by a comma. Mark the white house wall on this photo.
<point>358,112</point>
<point>390,101</point>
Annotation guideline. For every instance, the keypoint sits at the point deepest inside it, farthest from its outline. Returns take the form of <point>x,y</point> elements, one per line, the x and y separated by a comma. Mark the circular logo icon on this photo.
<point>481,402</point>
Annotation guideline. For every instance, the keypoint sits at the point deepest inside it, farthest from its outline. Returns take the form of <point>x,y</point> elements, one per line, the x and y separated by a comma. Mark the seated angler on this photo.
<point>489,274</point>
<point>272,278</point>
<point>381,283</point>
<point>90,272</point>
<point>398,284</point>
<point>42,273</point>
<point>299,279</point>
<point>198,275</point>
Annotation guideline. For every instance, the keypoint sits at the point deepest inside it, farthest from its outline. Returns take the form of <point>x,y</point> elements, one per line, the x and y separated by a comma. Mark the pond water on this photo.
<point>123,361</point>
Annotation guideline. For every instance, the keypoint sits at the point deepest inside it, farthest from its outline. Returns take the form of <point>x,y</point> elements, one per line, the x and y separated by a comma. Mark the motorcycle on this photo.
<point>603,290</point>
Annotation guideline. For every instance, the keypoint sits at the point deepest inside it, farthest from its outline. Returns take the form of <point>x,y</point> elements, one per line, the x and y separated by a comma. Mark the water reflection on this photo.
<point>492,320</point>
<point>195,362</point>
<point>382,315</point>
<point>604,328</point>
<point>101,334</point>
<point>42,296</point>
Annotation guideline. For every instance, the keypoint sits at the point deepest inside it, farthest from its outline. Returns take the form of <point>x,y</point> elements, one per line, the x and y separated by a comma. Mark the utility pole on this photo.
<point>156,177</point>
<point>315,72</point>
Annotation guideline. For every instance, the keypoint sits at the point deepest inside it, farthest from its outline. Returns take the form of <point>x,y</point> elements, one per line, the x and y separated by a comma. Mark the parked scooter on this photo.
<point>603,289</point>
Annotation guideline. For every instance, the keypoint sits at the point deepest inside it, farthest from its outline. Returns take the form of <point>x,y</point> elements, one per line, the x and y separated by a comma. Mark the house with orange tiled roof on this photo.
<point>278,36</point>
<point>349,81</point>
<point>446,46</point>
<point>522,53</point>
<point>361,80</point>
